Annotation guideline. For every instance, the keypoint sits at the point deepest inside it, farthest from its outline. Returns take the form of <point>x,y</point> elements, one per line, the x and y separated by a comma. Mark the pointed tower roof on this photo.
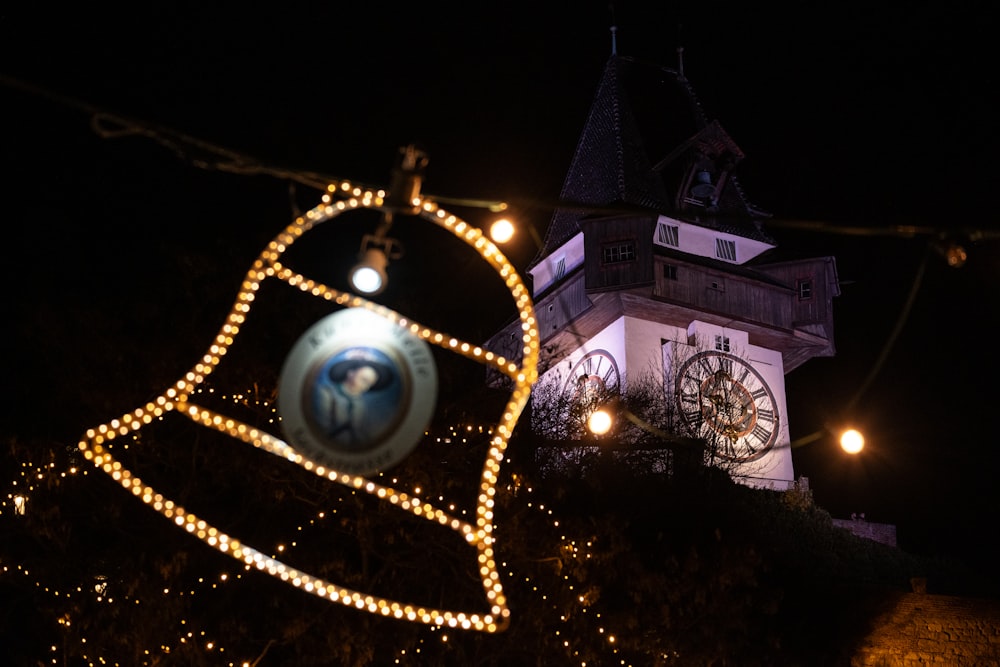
<point>643,118</point>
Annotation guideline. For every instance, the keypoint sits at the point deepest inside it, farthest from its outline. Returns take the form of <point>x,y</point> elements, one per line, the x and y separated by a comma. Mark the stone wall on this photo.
<point>917,629</point>
<point>879,532</point>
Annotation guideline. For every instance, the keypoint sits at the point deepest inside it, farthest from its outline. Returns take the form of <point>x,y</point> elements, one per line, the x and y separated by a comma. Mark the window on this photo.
<point>717,285</point>
<point>725,249</point>
<point>722,343</point>
<point>616,253</point>
<point>670,272</point>
<point>667,235</point>
<point>805,287</point>
<point>559,267</point>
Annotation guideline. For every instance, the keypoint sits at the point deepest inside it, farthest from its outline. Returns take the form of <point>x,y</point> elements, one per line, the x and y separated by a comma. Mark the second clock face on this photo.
<point>725,401</point>
<point>595,374</point>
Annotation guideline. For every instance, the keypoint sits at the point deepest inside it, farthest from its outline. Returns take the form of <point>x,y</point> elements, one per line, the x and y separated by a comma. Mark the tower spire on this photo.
<point>614,31</point>
<point>680,51</point>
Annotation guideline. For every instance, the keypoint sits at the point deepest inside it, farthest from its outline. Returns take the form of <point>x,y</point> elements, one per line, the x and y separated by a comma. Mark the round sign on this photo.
<point>357,392</point>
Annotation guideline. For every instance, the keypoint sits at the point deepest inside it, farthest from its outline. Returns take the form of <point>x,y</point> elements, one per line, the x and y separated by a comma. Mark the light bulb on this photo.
<point>502,231</point>
<point>368,276</point>
<point>851,441</point>
<point>599,422</point>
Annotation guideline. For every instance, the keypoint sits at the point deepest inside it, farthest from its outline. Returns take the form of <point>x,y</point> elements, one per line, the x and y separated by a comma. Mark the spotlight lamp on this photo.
<point>369,275</point>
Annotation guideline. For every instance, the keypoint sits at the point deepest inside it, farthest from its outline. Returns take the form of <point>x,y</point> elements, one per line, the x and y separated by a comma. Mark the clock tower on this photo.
<point>659,266</point>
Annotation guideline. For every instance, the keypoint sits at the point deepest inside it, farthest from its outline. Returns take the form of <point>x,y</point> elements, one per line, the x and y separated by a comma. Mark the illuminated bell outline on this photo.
<point>479,535</point>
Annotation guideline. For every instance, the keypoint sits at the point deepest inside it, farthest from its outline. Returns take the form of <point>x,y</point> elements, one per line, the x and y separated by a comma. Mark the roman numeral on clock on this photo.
<point>689,397</point>
<point>694,418</point>
<point>761,433</point>
<point>726,365</point>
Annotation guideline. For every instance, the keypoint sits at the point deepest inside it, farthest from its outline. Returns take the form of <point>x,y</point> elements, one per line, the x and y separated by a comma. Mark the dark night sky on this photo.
<point>850,114</point>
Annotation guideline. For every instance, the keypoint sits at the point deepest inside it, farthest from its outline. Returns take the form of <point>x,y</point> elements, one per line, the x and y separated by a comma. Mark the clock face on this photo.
<point>725,401</point>
<point>593,377</point>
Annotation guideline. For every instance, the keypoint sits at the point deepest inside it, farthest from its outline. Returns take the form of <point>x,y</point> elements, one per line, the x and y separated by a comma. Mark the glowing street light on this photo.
<point>851,441</point>
<point>599,422</point>
<point>502,231</point>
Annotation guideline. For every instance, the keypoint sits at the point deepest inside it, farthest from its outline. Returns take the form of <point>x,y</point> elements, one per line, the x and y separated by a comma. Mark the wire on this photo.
<point>897,328</point>
<point>108,125</point>
<point>891,340</point>
<point>899,231</point>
